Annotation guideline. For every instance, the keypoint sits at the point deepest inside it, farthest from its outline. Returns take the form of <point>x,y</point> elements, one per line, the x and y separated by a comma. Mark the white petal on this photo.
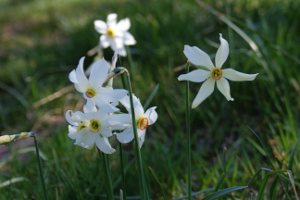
<point>224,88</point>
<point>111,19</point>
<point>120,121</point>
<point>104,106</point>
<point>117,43</point>
<point>104,41</point>
<point>152,115</point>
<point>125,102</point>
<point>138,108</point>
<point>129,39</point>
<point>104,145</point>
<point>81,78</point>
<point>68,116</point>
<point>111,95</point>
<point>85,140</point>
<point>74,117</point>
<point>197,57</point>
<point>197,76</point>
<point>100,115</point>
<point>205,90</point>
<point>234,75</point>
<point>100,26</point>
<point>142,134</point>
<point>124,24</point>
<point>222,53</point>
<point>72,76</point>
<point>99,72</point>
<point>89,106</point>
<point>105,131</point>
<point>72,132</point>
<point>126,136</point>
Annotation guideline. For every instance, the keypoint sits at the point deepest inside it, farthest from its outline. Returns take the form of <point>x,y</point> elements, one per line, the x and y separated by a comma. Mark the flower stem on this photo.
<point>122,172</point>
<point>40,167</point>
<point>136,143</point>
<point>188,132</point>
<point>130,60</point>
<point>110,193</point>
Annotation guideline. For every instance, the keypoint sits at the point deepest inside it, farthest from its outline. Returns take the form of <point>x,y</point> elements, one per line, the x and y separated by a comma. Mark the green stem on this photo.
<point>130,60</point>
<point>137,149</point>
<point>110,193</point>
<point>40,168</point>
<point>188,132</point>
<point>122,173</point>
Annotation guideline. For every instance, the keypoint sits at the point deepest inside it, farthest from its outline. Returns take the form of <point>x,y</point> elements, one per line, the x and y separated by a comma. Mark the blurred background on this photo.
<point>41,41</point>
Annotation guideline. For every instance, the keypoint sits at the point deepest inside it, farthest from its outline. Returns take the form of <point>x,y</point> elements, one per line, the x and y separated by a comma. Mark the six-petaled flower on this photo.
<point>212,74</point>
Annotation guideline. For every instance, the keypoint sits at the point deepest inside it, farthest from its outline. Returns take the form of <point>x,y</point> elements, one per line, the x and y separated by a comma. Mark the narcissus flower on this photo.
<point>114,34</point>
<point>92,88</point>
<point>143,120</point>
<point>212,74</point>
<point>92,128</point>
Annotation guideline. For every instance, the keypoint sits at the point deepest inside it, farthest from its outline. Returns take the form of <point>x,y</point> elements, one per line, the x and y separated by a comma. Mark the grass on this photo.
<point>252,141</point>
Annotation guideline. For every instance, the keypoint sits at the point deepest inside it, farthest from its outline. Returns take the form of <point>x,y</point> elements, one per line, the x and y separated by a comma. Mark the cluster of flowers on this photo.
<point>101,117</point>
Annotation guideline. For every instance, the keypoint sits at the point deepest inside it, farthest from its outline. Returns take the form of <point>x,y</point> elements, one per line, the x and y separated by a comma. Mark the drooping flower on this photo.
<point>114,34</point>
<point>6,139</point>
<point>143,120</point>
<point>92,87</point>
<point>212,74</point>
<point>92,128</point>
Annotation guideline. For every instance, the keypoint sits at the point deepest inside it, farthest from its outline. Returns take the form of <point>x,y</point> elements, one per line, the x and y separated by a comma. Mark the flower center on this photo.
<point>142,123</point>
<point>95,125</point>
<point>110,32</point>
<point>81,126</point>
<point>216,73</point>
<point>90,92</point>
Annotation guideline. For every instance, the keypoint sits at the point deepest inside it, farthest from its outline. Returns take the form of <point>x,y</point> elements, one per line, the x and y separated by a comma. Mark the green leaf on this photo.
<point>151,96</point>
<point>224,192</point>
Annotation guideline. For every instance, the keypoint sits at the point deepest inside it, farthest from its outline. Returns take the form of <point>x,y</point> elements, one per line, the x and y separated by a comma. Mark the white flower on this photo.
<point>92,88</point>
<point>143,120</point>
<point>89,129</point>
<point>212,73</point>
<point>114,34</point>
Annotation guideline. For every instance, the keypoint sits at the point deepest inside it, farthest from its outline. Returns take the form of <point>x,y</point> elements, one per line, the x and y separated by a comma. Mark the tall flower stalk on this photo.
<point>136,142</point>
<point>123,194</point>
<point>188,132</point>
<point>110,192</point>
<point>121,157</point>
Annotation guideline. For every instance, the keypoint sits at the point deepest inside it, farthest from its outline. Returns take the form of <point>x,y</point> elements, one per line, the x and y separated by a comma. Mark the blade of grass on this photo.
<point>238,30</point>
<point>157,181</point>
<point>224,192</point>
<point>12,181</point>
<point>151,96</point>
<point>293,184</point>
<point>40,167</point>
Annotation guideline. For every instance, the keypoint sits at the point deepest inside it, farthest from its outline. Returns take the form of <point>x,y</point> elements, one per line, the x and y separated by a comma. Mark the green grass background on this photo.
<point>41,41</point>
